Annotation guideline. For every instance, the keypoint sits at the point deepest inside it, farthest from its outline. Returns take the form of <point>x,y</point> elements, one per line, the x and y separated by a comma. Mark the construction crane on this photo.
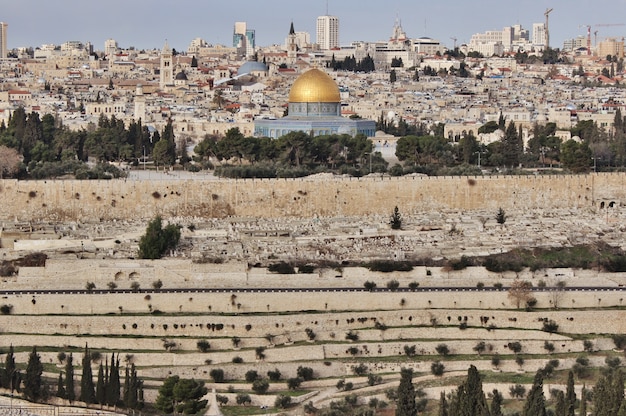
<point>454,39</point>
<point>547,13</point>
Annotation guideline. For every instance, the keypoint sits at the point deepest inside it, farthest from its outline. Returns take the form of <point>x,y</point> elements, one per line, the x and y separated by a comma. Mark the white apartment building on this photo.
<point>303,40</point>
<point>539,35</point>
<point>3,40</point>
<point>328,32</point>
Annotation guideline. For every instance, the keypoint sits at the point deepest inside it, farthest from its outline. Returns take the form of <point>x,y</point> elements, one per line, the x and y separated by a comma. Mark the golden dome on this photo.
<point>314,86</point>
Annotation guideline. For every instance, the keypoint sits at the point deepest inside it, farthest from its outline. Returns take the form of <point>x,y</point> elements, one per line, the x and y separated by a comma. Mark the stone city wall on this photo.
<point>65,200</point>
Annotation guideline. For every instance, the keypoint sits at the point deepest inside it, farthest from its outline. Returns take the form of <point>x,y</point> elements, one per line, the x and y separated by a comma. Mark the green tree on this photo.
<point>101,386</point>
<point>87,389</point>
<point>570,395</point>
<point>181,395</point>
<point>608,394</point>
<point>396,219</point>
<point>535,401</point>
<point>406,394</point>
<point>582,409</point>
<point>69,378</point>
<point>33,383</point>
<point>393,77</point>
<point>113,385</point>
<point>158,240</point>
<point>470,399</point>
<point>496,404</point>
<point>443,405</point>
<point>260,386</point>
<point>10,374</point>
<point>512,146</point>
<point>60,386</point>
<point>576,157</point>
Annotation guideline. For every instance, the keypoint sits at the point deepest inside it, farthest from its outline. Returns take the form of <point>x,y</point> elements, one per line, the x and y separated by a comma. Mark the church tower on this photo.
<point>166,70</point>
<point>140,104</point>
<point>292,46</point>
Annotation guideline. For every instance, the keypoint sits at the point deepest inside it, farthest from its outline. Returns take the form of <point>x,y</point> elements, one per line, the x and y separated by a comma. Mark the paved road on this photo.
<point>298,290</point>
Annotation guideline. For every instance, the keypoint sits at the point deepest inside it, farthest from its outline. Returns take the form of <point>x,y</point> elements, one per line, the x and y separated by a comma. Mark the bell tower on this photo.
<point>292,46</point>
<point>166,69</point>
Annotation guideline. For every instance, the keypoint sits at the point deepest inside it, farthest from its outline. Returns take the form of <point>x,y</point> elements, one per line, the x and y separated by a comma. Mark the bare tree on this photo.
<point>557,291</point>
<point>9,161</point>
<point>520,292</point>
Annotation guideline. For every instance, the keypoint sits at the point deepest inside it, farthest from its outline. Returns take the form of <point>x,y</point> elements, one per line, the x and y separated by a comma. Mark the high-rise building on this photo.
<point>328,32</point>
<point>539,34</point>
<point>4,51</point>
<point>244,39</point>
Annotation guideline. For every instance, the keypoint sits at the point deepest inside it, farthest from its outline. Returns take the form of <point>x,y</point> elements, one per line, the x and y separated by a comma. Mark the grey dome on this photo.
<point>252,66</point>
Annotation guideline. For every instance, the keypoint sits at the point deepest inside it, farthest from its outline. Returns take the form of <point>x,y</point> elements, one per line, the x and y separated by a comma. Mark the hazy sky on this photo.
<point>147,23</point>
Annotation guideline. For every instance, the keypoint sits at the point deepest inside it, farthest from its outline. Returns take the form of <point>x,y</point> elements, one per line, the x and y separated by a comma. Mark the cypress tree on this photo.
<point>443,404</point>
<point>496,404</point>
<point>535,402</point>
<point>561,405</point>
<point>69,379</point>
<point>622,409</point>
<point>582,410</point>
<point>113,386</point>
<point>470,395</point>
<point>100,386</point>
<point>33,382</point>
<point>10,375</point>
<point>87,390</point>
<point>570,395</point>
<point>61,386</point>
<point>406,394</point>
<point>126,389</point>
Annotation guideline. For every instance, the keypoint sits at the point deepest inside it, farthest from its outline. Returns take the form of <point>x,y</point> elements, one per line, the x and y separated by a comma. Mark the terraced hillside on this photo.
<point>320,337</point>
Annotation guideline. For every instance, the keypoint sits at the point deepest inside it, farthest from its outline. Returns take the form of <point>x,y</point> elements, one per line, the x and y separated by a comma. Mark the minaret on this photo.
<point>166,71</point>
<point>140,104</point>
<point>292,46</point>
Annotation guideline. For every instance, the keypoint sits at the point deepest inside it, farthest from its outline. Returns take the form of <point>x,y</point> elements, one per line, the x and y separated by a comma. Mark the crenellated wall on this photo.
<point>65,200</point>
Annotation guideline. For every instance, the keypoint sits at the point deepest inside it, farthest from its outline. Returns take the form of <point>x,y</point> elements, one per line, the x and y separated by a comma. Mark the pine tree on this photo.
<point>69,379</point>
<point>87,390</point>
<point>100,387</point>
<point>496,404</point>
<point>406,394</point>
<point>33,385</point>
<point>535,401</point>
<point>61,386</point>
<point>570,395</point>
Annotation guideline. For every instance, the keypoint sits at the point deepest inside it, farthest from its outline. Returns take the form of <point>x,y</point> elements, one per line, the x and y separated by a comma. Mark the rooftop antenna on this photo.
<point>327,8</point>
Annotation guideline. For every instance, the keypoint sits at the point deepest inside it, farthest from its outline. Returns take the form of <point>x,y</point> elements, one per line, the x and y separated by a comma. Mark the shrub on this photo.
<point>203,345</point>
<point>369,285</point>
<point>396,219</point>
<point>413,285</point>
<point>260,353</point>
<point>274,375</point>
<point>222,400</point>
<point>442,349</point>
<point>373,379</point>
<point>157,284</point>
<point>306,373</point>
<point>281,268</point>
<point>243,399</point>
<point>495,361</point>
<point>515,346</point>
<point>237,360</point>
<point>7,269</point>
<point>260,385</point>
<point>393,285</point>
<point>294,383</point>
<point>548,346</point>
<point>306,268</point>
<point>360,369</point>
<point>550,326</point>
<point>619,340</point>
<point>409,351</point>
<point>437,368</point>
<point>6,309</point>
<point>310,334</point>
<point>89,286</point>
<point>217,374</point>
<point>135,286</point>
<point>282,401</point>
<point>517,391</point>
<point>387,266</point>
<point>352,336</point>
<point>587,346</point>
<point>480,347</point>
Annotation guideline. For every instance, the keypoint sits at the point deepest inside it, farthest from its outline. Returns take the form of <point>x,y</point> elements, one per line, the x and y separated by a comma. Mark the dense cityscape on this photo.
<point>409,226</point>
